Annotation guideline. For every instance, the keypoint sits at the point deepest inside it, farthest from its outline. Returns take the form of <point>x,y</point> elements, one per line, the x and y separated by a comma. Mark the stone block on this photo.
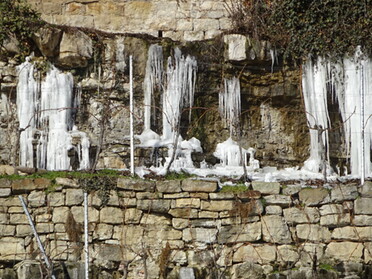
<point>352,233</point>
<point>177,195</point>
<point>169,186</point>
<point>185,213</point>
<point>217,205</point>
<point>7,170</point>
<point>275,230</point>
<point>162,234</point>
<point>56,199</point>
<point>191,185</point>
<point>335,220</point>
<point>309,250</point>
<point>17,219</point>
<point>366,190</point>
<point>233,221</point>
<point>329,209</point>
<point>282,200</point>
<point>248,270</point>
<point>313,232</point>
<point>266,188</point>
<point>4,218</point>
<point>273,210</point>
<point>186,203</point>
<point>262,254</point>
<point>363,206</point>
<point>236,49</point>
<point>151,219</point>
<point>200,258</point>
<point>5,192</point>
<point>290,190</point>
<point>343,192</point>
<point>106,252</point>
<point>208,214</point>
<point>148,195</point>
<point>113,198</point>
<point>15,209</point>
<point>74,196</point>
<point>221,196</point>
<point>193,36</point>
<point>23,230</point>
<point>287,254</point>
<point>7,230</point>
<point>5,183</point>
<point>202,196</point>
<point>111,215</point>
<point>60,214</point>
<point>344,251</point>
<point>314,196</point>
<point>136,185</point>
<point>240,233</point>
<point>249,195</point>
<point>12,249</point>
<point>367,252</point>
<point>75,49</point>
<point>129,235</point>
<point>158,206</point>
<point>205,223</point>
<point>179,257</point>
<point>203,235</point>
<point>295,215</point>
<point>44,228</point>
<point>103,232</point>
<point>43,218</point>
<point>204,24</point>
<point>23,186</point>
<point>36,199</point>
<point>180,224</point>
<point>67,182</point>
<point>132,216</point>
<point>362,220</point>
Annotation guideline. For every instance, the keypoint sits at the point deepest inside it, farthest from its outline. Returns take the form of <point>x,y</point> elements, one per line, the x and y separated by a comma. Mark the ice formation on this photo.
<point>349,82</point>
<point>179,91</point>
<point>153,80</point>
<point>45,119</point>
<point>230,104</point>
<point>314,85</point>
<point>232,155</point>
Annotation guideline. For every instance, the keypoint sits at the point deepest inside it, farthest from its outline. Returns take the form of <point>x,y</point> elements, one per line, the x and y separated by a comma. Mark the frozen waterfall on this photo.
<point>48,138</point>
<point>349,83</point>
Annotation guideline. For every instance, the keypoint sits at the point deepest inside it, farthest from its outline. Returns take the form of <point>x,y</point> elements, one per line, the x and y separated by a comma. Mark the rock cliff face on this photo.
<point>272,115</point>
<point>166,229</point>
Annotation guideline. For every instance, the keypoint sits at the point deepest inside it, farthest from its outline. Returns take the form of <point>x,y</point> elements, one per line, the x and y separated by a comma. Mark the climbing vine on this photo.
<point>302,27</point>
<point>18,19</point>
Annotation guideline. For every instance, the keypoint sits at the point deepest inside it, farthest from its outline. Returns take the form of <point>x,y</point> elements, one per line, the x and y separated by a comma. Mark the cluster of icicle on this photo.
<point>45,110</point>
<point>177,85</point>
<point>229,151</point>
<point>349,83</point>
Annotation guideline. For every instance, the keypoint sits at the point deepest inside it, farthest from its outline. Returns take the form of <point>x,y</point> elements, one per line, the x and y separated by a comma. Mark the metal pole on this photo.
<point>86,250</point>
<point>362,174</point>
<point>45,257</point>
<point>131,114</point>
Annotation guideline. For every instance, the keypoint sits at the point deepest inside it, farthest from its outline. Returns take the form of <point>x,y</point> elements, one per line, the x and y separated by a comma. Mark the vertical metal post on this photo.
<point>86,247</point>
<point>362,174</point>
<point>131,114</point>
<point>41,247</point>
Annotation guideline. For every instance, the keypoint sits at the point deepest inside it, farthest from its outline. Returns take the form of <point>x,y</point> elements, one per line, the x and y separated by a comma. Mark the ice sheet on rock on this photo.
<point>149,138</point>
<point>45,113</point>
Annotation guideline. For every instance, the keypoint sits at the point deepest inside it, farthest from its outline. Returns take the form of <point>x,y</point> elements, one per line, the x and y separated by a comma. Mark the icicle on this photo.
<point>315,97</point>
<point>45,112</point>
<point>153,79</point>
<point>230,104</point>
<point>229,153</point>
<point>179,92</point>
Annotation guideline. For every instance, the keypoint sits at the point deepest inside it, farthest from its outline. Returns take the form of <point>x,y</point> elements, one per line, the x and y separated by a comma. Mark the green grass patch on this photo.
<point>234,189</point>
<point>327,267</point>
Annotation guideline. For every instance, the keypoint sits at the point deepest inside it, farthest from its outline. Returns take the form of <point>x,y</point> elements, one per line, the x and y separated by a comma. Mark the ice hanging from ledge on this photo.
<point>45,118</point>
<point>349,82</point>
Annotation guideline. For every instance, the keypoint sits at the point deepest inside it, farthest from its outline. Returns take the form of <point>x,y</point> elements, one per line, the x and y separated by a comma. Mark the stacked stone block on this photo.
<point>167,228</point>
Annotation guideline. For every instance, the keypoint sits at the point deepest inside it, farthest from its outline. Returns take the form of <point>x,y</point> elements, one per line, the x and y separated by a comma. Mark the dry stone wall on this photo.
<point>182,20</point>
<point>188,229</point>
